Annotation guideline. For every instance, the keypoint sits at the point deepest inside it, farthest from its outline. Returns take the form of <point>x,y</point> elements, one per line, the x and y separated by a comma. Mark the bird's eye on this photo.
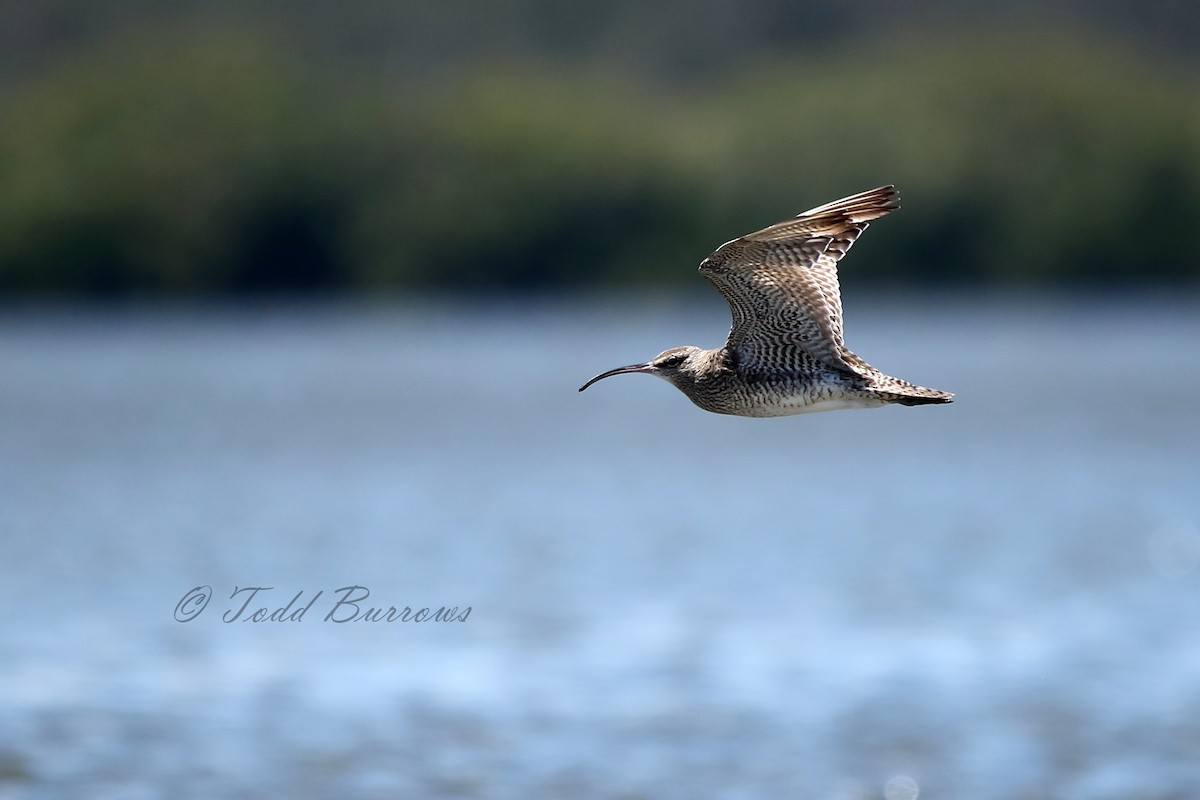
<point>673,361</point>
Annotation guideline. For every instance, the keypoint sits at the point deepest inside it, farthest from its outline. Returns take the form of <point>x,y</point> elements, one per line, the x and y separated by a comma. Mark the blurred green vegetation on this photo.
<point>224,160</point>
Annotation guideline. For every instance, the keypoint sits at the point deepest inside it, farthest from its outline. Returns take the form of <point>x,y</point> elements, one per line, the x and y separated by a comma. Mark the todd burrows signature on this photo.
<point>347,604</point>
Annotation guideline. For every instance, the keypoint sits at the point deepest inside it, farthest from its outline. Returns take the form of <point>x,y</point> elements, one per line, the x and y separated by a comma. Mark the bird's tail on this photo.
<point>921,396</point>
<point>894,390</point>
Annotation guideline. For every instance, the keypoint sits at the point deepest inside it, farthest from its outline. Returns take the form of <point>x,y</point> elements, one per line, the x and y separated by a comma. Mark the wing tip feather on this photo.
<point>861,207</point>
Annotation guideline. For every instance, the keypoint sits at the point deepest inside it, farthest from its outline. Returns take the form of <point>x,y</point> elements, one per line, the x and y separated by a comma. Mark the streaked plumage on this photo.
<point>785,353</point>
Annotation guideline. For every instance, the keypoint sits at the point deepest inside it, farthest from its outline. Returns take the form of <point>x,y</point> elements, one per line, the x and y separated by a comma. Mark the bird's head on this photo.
<point>679,365</point>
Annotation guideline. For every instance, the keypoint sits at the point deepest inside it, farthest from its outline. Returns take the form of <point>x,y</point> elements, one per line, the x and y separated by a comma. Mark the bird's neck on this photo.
<point>718,360</point>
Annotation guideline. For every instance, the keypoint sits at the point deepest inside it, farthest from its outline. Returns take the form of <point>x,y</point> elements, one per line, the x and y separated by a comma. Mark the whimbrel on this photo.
<point>785,353</point>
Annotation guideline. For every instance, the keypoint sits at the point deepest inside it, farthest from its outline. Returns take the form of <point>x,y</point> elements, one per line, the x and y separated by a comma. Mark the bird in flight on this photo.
<point>785,353</point>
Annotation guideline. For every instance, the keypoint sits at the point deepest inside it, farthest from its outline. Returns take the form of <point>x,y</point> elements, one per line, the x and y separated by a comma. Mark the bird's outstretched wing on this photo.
<point>782,286</point>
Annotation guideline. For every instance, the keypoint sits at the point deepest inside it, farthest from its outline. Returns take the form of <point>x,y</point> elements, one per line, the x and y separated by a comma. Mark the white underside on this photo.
<point>787,408</point>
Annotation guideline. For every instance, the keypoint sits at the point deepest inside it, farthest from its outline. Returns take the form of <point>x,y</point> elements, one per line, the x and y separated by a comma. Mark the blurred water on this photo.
<point>994,599</point>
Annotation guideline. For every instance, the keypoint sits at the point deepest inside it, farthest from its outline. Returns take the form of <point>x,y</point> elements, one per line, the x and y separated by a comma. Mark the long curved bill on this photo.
<point>618,371</point>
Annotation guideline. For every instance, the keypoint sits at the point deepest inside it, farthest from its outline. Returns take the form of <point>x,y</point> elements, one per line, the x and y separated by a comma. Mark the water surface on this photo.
<point>993,599</point>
